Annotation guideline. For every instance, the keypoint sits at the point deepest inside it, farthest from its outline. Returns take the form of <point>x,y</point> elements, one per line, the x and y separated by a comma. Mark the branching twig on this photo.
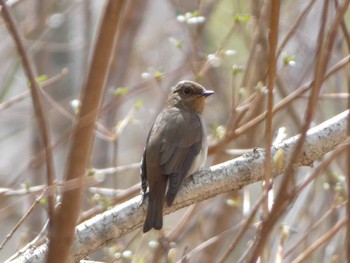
<point>294,27</point>
<point>31,244</point>
<point>20,97</point>
<point>278,106</point>
<point>37,103</point>
<point>320,242</point>
<point>25,216</point>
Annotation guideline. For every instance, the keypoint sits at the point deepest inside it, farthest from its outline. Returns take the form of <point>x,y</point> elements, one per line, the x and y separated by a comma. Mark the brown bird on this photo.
<point>176,147</point>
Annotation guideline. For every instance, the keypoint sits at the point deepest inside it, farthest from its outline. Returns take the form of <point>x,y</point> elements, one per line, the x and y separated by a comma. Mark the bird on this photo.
<point>176,147</point>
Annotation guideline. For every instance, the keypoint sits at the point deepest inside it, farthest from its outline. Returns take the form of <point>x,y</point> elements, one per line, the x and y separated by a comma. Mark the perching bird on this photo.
<point>176,147</point>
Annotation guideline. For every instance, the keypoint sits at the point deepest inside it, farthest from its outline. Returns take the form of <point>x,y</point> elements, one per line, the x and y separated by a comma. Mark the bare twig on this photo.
<point>18,98</point>
<point>32,244</point>
<point>294,27</point>
<point>24,217</point>
<point>244,228</point>
<point>37,104</point>
<point>325,238</point>
<point>22,191</point>
<point>312,228</point>
<point>209,242</point>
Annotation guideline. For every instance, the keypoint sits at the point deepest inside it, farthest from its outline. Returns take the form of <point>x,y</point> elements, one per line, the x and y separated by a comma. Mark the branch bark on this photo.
<point>231,175</point>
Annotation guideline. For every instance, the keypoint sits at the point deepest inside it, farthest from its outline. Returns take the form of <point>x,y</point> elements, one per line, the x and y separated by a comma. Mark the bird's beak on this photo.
<point>207,93</point>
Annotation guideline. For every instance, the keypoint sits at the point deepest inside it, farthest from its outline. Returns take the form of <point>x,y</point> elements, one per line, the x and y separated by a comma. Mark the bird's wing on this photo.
<point>182,142</point>
<point>143,168</point>
<point>143,174</point>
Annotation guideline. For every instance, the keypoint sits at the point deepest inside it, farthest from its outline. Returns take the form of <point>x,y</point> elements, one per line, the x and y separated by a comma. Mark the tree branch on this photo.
<point>65,219</point>
<point>231,175</point>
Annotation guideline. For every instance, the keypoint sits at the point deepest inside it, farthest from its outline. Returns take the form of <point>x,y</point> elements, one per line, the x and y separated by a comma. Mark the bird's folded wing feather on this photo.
<point>178,151</point>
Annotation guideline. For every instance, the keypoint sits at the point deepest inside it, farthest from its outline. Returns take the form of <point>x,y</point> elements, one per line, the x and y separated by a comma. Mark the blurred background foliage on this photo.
<point>220,43</point>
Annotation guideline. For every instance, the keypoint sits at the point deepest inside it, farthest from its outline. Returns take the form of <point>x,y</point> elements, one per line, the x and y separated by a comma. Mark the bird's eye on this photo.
<point>187,90</point>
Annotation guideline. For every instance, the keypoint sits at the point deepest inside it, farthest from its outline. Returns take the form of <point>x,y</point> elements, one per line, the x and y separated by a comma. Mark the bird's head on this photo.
<point>189,95</point>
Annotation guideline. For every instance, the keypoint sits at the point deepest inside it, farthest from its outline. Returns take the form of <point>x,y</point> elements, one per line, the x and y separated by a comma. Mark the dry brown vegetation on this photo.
<point>82,82</point>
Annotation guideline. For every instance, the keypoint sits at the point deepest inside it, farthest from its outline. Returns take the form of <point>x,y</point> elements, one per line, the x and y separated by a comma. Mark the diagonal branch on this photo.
<point>231,175</point>
<point>37,102</point>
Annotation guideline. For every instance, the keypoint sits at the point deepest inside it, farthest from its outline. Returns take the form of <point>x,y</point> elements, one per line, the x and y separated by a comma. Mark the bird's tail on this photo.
<point>154,217</point>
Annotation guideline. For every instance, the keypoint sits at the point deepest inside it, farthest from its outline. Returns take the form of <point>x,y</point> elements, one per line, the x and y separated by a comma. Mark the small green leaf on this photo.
<point>106,202</point>
<point>90,172</point>
<point>26,186</point>
<point>158,75</point>
<point>41,78</point>
<point>242,92</point>
<point>218,131</point>
<point>288,59</point>
<point>195,13</point>
<point>241,18</point>
<point>176,42</point>
<point>138,104</point>
<point>236,69</point>
<point>43,201</point>
<point>232,202</point>
<point>260,88</point>
<point>120,91</point>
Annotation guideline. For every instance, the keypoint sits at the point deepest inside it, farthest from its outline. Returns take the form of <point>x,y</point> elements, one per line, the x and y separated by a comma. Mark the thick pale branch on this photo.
<point>231,175</point>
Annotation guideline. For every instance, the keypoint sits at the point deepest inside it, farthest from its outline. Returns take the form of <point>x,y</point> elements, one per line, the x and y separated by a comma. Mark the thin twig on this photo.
<point>37,104</point>
<point>312,228</point>
<point>294,27</point>
<point>243,229</point>
<point>183,222</point>
<point>35,242</point>
<point>209,242</point>
<point>325,238</point>
<point>22,191</point>
<point>325,163</point>
<point>24,217</point>
<point>22,96</point>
